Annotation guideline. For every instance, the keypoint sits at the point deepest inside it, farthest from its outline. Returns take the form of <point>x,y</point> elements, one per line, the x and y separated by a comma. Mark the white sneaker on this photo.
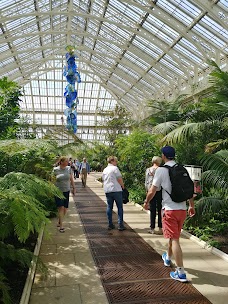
<point>151,231</point>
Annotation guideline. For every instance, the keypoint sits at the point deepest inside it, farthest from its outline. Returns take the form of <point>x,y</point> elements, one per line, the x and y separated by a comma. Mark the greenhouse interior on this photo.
<point>90,85</point>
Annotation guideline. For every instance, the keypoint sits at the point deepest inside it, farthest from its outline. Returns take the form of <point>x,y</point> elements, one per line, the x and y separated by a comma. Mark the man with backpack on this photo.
<point>177,188</point>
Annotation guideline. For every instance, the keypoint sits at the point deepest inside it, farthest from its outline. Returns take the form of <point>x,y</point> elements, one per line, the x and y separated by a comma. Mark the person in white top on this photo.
<point>156,202</point>
<point>173,214</point>
<point>113,186</point>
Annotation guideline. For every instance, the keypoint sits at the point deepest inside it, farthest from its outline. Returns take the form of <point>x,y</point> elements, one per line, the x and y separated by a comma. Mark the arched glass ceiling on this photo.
<point>128,51</point>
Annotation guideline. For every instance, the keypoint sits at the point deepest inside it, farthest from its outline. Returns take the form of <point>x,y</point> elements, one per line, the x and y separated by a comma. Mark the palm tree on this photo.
<point>210,114</point>
<point>205,123</point>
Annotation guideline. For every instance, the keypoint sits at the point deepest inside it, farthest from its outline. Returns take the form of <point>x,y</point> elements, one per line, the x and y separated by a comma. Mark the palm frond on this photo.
<point>205,205</point>
<point>215,145</point>
<point>212,178</point>
<point>217,162</point>
<point>165,127</point>
<point>182,132</point>
<point>188,129</point>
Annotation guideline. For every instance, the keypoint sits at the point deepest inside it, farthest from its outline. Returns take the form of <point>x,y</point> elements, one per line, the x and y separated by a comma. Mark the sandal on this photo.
<point>61,230</point>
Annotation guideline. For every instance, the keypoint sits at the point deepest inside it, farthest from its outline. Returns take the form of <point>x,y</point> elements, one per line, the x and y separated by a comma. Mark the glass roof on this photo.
<point>128,51</point>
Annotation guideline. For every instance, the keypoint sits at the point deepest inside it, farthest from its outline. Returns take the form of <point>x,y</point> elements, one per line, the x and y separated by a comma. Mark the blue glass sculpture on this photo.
<point>72,76</point>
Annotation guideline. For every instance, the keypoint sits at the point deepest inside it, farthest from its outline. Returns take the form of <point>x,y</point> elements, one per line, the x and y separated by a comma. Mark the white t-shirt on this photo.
<point>161,179</point>
<point>83,165</point>
<point>110,175</point>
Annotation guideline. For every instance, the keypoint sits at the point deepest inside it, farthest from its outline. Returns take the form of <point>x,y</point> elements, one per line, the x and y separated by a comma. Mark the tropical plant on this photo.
<point>135,152</point>
<point>29,156</point>
<point>119,122</point>
<point>202,129</point>
<point>9,108</point>
<point>21,214</point>
<point>206,118</point>
<point>215,180</point>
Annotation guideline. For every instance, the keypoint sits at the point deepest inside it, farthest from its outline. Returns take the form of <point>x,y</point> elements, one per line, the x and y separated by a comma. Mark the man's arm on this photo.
<point>191,208</point>
<point>120,181</point>
<point>150,194</point>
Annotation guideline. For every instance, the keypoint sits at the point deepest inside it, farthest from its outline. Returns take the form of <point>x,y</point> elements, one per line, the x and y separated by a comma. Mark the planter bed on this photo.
<point>19,277</point>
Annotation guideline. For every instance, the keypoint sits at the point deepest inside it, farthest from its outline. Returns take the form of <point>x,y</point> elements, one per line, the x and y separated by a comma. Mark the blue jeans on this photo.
<point>117,197</point>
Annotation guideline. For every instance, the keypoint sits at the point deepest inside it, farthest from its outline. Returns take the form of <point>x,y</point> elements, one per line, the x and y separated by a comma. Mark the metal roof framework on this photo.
<point>128,51</point>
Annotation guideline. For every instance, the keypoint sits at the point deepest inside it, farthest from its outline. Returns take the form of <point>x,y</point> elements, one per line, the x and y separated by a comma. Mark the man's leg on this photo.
<point>170,250</point>
<point>119,203</point>
<point>110,201</point>
<point>85,177</point>
<point>173,224</point>
<point>177,252</point>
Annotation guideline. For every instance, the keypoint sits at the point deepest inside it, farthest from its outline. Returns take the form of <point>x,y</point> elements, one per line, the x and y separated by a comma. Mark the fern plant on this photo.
<point>22,213</point>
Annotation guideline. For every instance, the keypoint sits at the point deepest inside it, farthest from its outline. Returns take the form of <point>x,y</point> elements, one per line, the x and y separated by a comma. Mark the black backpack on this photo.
<point>182,185</point>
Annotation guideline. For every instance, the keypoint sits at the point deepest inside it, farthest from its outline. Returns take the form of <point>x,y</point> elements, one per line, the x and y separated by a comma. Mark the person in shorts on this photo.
<point>64,178</point>
<point>173,214</point>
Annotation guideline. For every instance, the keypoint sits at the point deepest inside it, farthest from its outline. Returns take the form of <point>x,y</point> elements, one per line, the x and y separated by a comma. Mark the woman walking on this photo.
<point>156,202</point>
<point>64,178</point>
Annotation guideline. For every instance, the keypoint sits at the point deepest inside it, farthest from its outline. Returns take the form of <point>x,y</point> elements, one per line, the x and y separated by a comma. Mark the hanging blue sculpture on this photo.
<point>72,76</point>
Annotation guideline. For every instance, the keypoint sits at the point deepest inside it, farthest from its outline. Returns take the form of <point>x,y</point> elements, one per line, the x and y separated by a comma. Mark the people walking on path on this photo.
<point>173,214</point>
<point>64,178</point>
<point>84,170</point>
<point>75,167</point>
<point>113,186</point>
<point>155,205</point>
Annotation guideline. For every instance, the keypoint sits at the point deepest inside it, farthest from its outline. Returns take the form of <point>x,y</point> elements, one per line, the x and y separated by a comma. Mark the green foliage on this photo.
<point>22,213</point>
<point>163,111</point>
<point>137,194</point>
<point>208,231</point>
<point>135,152</point>
<point>29,156</point>
<point>9,108</point>
<point>4,289</point>
<point>218,163</point>
<point>119,122</point>
<point>98,156</point>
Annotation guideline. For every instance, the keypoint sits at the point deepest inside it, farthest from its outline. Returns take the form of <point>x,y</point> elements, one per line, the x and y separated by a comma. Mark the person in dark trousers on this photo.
<point>84,170</point>
<point>173,214</point>
<point>156,202</point>
<point>113,186</point>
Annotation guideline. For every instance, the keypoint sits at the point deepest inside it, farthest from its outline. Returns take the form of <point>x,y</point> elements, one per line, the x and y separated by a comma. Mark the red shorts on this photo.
<point>172,223</point>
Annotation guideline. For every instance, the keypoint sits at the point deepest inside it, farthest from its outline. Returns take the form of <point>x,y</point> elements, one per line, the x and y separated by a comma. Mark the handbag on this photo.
<point>125,194</point>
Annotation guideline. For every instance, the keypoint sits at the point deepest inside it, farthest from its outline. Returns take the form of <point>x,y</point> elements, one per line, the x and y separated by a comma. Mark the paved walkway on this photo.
<point>73,277</point>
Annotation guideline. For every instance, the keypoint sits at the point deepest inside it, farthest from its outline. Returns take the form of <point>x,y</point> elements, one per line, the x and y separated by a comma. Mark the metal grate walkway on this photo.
<point>130,270</point>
